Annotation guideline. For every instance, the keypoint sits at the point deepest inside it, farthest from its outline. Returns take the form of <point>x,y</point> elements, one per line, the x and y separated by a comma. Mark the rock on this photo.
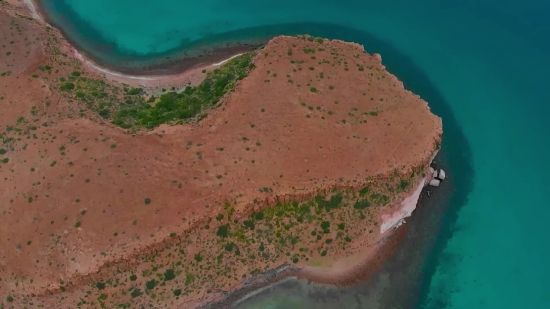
<point>435,182</point>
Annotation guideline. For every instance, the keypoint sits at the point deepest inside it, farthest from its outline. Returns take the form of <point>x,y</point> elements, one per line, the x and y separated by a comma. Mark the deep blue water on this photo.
<point>482,67</point>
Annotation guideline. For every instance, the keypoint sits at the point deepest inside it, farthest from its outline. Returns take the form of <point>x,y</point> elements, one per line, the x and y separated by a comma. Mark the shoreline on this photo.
<point>172,73</point>
<point>154,84</point>
<point>36,14</point>
<point>344,271</point>
<point>395,284</point>
<point>339,272</point>
<point>360,268</point>
<point>364,266</point>
<point>329,275</point>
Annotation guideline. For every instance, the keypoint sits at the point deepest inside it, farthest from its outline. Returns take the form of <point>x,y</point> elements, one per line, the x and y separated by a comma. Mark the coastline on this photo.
<point>364,265</point>
<point>359,269</point>
<point>396,284</point>
<point>36,13</point>
<point>339,272</point>
<point>175,73</point>
<point>153,84</point>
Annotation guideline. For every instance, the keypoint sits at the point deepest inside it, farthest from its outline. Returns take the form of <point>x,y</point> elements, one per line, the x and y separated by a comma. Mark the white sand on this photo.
<point>224,61</point>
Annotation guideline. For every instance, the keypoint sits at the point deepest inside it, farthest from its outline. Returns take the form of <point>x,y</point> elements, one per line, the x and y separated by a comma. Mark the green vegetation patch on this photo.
<point>177,108</point>
<point>231,245</point>
<point>361,204</point>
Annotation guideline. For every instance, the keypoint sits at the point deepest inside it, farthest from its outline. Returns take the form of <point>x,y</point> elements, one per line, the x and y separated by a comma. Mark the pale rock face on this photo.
<point>32,9</point>
<point>435,182</point>
<point>407,206</point>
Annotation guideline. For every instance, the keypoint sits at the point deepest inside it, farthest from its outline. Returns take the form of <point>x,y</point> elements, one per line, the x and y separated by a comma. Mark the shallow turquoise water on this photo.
<point>481,65</point>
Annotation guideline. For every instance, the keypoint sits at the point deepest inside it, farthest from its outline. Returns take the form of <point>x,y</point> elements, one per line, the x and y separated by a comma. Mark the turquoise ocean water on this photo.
<point>482,65</point>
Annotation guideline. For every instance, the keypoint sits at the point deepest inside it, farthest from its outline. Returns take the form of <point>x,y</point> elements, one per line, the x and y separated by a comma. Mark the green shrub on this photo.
<point>104,113</point>
<point>169,275</point>
<point>198,257</point>
<point>135,91</point>
<point>259,215</point>
<point>175,107</point>
<point>151,284</point>
<point>361,204</point>
<point>189,278</point>
<point>229,246</point>
<point>136,292</point>
<point>66,86</point>
<point>223,231</point>
<point>334,201</point>
<point>249,224</point>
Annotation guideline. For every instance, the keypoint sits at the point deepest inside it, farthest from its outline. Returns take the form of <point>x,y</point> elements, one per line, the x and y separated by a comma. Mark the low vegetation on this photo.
<point>175,107</point>
<point>129,109</point>
<point>231,247</point>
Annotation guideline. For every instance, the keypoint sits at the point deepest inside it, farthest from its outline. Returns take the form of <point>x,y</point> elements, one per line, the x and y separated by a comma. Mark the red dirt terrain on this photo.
<point>79,195</point>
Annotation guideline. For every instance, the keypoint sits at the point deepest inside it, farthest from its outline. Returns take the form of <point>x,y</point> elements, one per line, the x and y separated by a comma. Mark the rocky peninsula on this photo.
<point>305,153</point>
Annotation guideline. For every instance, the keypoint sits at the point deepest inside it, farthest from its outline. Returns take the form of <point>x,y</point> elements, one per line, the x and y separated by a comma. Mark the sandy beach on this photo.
<point>152,84</point>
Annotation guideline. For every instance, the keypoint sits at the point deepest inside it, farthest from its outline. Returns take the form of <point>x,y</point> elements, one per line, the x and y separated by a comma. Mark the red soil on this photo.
<point>275,133</point>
